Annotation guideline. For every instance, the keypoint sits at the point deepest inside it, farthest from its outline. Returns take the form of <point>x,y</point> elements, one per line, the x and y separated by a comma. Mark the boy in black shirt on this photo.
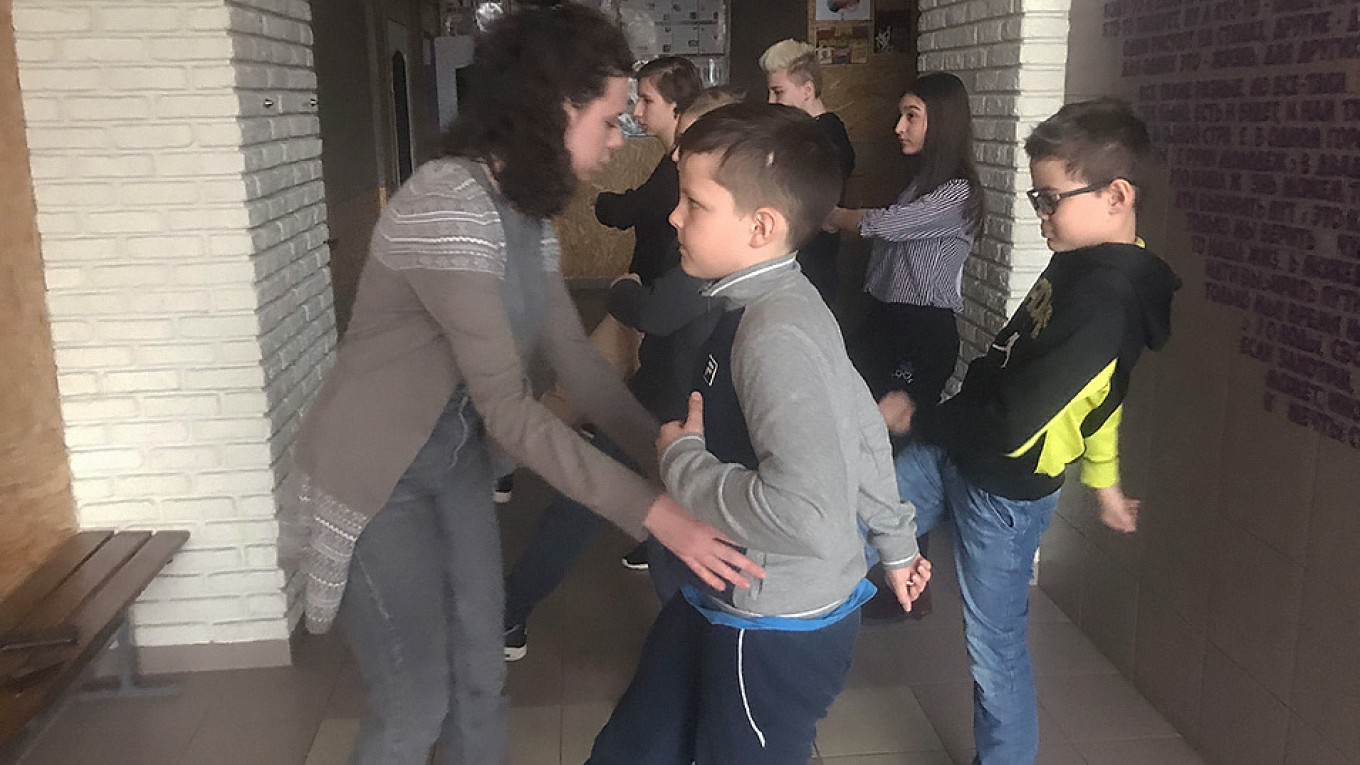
<point>1049,392</point>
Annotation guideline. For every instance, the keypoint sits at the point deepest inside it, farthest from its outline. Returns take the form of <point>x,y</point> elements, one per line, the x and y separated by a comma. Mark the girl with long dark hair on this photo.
<point>461,288</point>
<point>909,340</point>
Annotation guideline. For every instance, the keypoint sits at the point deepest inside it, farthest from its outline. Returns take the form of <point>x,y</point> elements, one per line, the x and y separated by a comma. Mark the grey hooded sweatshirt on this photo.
<point>821,459</point>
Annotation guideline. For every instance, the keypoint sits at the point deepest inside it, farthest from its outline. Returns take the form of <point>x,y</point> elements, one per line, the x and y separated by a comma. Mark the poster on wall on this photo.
<point>843,43</point>
<point>893,31</point>
<point>844,10</point>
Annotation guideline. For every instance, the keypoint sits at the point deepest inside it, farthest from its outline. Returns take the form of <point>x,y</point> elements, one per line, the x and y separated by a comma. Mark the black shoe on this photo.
<point>504,486</point>
<point>516,643</point>
<point>636,559</point>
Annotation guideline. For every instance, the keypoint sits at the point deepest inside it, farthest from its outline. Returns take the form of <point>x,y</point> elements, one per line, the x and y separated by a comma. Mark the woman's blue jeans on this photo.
<point>994,547</point>
<point>422,608</point>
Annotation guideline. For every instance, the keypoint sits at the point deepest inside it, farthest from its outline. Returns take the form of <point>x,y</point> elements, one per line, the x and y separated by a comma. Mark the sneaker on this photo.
<point>636,559</point>
<point>504,486</point>
<point>516,643</point>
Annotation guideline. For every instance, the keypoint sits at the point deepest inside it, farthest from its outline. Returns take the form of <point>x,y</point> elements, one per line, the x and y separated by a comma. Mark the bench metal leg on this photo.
<point>128,683</point>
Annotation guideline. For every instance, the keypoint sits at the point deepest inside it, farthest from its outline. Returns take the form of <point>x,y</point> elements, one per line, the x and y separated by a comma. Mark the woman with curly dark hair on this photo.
<point>461,288</point>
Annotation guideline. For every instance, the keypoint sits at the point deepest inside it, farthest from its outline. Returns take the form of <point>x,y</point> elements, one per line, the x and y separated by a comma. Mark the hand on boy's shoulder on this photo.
<point>694,423</point>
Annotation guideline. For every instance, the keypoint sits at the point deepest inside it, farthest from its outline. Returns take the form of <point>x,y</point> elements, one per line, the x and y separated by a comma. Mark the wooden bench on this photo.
<point>63,614</point>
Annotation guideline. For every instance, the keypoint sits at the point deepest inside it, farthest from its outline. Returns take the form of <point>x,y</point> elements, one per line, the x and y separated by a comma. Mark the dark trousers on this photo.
<point>905,347</point>
<point>564,530</point>
<point>716,695</point>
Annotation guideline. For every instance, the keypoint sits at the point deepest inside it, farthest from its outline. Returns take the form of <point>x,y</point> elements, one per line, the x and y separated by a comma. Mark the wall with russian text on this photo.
<point>1236,607</point>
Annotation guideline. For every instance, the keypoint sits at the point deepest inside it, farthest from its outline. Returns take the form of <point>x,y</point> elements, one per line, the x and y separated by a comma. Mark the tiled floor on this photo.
<point>907,702</point>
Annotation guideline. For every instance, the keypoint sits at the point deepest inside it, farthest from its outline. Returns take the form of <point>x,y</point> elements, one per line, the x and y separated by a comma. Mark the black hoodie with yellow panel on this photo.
<point>1050,390</point>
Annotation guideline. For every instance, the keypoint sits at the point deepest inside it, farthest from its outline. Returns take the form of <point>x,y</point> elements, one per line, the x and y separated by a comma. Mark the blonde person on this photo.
<point>461,288</point>
<point>794,78</point>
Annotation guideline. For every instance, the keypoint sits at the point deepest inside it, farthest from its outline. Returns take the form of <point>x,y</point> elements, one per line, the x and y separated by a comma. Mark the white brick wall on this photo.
<point>276,85</point>
<point>183,232</point>
<point>1012,56</point>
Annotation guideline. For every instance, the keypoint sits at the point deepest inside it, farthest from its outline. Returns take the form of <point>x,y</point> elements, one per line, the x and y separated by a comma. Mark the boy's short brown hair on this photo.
<point>771,156</point>
<point>1098,141</point>
<point>713,98</point>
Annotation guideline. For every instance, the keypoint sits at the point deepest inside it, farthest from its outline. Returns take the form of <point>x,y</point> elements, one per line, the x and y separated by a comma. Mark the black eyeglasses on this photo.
<point>1046,202</point>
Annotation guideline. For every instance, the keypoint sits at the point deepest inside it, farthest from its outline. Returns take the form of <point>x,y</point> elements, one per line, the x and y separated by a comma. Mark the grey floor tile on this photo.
<point>1100,707</point>
<point>876,721</point>
<point>536,680</point>
<point>347,695</point>
<point>1042,609</point>
<point>899,758</point>
<point>67,742</point>
<point>1149,751</point>
<point>580,724</point>
<point>334,742</point>
<point>233,742</point>
<point>1060,648</point>
<point>536,735</point>
<point>267,695</point>
<point>949,707</point>
<point>906,654</point>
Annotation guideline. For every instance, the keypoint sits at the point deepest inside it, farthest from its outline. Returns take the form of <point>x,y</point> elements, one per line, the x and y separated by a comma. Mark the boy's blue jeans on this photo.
<point>994,550</point>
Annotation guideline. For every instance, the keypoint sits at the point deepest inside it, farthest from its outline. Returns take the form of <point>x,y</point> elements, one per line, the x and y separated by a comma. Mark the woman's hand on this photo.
<point>908,582</point>
<point>710,555</point>
<point>842,219</point>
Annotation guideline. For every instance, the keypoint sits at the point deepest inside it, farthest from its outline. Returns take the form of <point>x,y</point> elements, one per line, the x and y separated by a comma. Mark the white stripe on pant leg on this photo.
<point>741,682</point>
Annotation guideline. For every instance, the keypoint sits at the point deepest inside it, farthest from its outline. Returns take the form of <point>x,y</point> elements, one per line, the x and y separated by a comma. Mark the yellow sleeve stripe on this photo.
<point>1062,439</point>
<point>1100,462</point>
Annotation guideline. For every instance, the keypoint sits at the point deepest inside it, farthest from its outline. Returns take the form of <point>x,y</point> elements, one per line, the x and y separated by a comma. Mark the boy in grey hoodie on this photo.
<point>783,451</point>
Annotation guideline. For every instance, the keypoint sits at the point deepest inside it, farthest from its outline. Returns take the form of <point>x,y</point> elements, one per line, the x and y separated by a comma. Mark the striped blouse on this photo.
<point>919,247</point>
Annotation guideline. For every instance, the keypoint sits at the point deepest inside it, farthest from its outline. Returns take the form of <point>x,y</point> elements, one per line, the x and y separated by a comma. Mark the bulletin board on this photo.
<point>848,32</point>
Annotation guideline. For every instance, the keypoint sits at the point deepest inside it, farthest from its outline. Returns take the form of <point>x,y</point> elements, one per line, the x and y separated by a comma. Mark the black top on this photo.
<point>675,318</point>
<point>1090,308</point>
<point>835,130</point>
<point>818,256</point>
<point>647,209</point>
<point>725,431</point>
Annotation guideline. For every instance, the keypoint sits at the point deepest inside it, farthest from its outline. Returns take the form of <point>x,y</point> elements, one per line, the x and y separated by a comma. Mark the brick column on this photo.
<point>176,166</point>
<point>1012,56</point>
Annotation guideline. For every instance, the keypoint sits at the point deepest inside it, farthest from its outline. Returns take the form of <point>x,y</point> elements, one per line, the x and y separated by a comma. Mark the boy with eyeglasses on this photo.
<point>1047,393</point>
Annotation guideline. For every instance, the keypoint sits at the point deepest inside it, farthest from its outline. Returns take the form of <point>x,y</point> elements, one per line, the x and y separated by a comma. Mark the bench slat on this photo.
<point>85,581</point>
<point>96,619</point>
<point>77,588</point>
<point>38,585</point>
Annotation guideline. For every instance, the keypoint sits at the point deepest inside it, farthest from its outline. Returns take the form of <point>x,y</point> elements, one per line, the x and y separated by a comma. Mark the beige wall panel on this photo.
<point>35,483</point>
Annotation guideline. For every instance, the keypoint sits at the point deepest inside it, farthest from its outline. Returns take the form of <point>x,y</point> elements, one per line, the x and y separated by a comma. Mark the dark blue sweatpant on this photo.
<point>715,695</point>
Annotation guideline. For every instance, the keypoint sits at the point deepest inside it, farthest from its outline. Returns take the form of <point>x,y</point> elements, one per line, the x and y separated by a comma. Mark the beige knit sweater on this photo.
<point>429,316</point>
